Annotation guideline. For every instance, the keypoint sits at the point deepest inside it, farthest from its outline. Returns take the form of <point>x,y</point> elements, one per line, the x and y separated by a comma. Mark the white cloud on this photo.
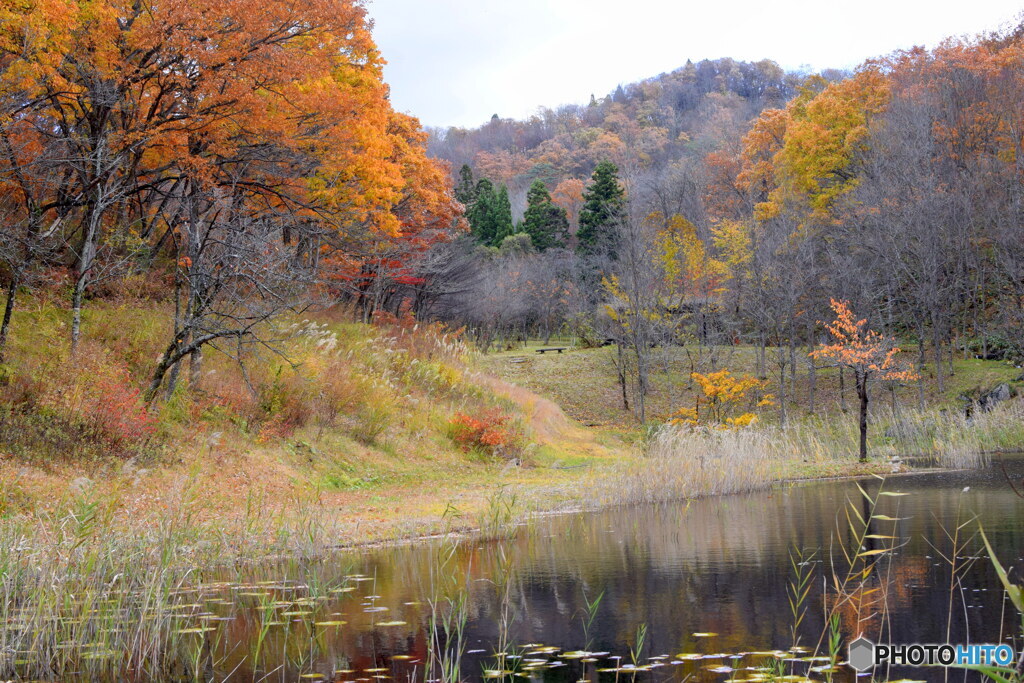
<point>456,62</point>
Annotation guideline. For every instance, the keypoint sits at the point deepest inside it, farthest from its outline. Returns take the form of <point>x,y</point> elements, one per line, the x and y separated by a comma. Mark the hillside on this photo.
<point>665,121</point>
<point>368,424</point>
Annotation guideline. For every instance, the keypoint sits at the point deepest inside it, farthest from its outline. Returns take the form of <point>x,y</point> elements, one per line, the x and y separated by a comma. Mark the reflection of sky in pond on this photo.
<point>717,566</point>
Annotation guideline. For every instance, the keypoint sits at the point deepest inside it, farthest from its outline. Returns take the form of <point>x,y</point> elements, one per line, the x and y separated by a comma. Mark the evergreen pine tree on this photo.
<point>481,213</point>
<point>490,214</point>
<point>546,224</point>
<point>465,191</point>
<point>503,217</point>
<point>603,205</point>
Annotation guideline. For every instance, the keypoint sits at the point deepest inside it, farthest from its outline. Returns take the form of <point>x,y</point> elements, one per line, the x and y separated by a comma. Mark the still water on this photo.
<point>677,582</point>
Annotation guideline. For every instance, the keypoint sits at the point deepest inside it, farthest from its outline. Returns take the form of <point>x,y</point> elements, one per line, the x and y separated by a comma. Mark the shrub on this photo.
<point>99,395</point>
<point>85,404</point>
<point>284,404</point>
<point>490,433</point>
<point>371,421</point>
<point>723,393</point>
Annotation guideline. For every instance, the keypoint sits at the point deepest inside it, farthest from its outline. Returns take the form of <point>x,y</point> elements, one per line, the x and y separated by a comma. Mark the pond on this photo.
<point>699,590</point>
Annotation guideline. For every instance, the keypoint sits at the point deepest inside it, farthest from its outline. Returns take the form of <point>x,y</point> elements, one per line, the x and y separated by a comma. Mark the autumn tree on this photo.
<point>639,295</point>
<point>724,394</point>
<point>568,194</point>
<point>240,146</point>
<point>386,270</point>
<point>868,354</point>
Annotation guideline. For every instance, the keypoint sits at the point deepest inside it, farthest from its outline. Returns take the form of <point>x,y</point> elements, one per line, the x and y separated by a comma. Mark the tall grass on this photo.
<point>683,462</point>
<point>82,591</point>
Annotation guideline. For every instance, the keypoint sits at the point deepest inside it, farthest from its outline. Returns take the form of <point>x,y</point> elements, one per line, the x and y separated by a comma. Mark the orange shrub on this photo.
<point>96,394</point>
<point>490,433</point>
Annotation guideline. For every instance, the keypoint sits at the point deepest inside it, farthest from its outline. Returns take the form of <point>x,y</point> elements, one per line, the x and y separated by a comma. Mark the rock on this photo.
<point>1001,393</point>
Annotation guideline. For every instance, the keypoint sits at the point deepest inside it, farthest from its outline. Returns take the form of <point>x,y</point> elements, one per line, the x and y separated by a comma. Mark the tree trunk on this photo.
<point>166,362</point>
<point>12,292</point>
<point>85,263</point>
<point>174,354</point>
<point>76,313</point>
<point>643,350</point>
<point>920,373</point>
<point>172,380</point>
<point>621,367</point>
<point>862,393</point>
<point>762,363</point>
<point>195,370</point>
<point>780,359</point>
<point>842,389</point>
<point>950,355</point>
<point>937,343</point>
<point>792,363</point>
<point>812,383</point>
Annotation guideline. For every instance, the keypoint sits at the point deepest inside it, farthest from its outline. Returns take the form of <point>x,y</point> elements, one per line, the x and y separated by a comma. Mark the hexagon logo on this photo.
<point>861,655</point>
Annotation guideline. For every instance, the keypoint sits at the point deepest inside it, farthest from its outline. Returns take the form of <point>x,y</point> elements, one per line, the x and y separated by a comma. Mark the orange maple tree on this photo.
<point>568,194</point>
<point>869,354</point>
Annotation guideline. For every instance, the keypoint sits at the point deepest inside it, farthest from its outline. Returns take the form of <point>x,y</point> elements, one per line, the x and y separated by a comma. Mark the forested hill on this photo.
<point>643,127</point>
<point>734,203</point>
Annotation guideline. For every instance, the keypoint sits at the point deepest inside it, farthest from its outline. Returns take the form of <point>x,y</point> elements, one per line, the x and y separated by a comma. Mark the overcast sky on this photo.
<point>457,62</point>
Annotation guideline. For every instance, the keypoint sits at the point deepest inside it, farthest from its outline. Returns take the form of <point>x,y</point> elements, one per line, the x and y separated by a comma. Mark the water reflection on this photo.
<point>716,566</point>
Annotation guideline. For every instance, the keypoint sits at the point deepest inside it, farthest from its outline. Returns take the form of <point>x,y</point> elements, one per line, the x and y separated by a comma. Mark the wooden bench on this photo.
<point>553,348</point>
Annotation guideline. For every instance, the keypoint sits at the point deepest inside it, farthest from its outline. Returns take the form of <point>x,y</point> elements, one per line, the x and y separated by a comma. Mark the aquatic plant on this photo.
<point>799,587</point>
<point>1015,593</point>
<point>589,616</point>
<point>498,518</point>
<point>448,604</point>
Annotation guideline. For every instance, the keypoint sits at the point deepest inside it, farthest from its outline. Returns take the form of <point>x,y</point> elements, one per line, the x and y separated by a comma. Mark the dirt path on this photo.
<point>549,423</point>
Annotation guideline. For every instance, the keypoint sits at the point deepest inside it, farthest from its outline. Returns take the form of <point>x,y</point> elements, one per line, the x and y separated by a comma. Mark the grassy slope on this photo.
<point>225,459</point>
<point>226,456</point>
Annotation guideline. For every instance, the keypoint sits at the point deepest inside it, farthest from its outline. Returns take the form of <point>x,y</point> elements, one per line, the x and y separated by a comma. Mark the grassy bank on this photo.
<point>714,462</point>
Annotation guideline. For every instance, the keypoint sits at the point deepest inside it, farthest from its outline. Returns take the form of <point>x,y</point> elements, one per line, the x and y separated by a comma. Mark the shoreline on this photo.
<point>468,532</point>
<point>471,532</point>
<point>263,518</point>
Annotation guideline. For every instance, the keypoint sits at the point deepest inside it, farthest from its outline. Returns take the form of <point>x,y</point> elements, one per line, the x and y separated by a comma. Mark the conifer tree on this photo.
<point>503,217</point>
<point>603,205</point>
<point>465,191</point>
<point>546,224</point>
<point>490,214</point>
<point>481,213</point>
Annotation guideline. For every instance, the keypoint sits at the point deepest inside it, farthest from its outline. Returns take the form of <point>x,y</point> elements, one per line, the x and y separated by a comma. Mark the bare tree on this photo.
<point>234,286</point>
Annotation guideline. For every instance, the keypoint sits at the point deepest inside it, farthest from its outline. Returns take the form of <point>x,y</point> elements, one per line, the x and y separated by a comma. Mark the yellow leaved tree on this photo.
<point>724,394</point>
